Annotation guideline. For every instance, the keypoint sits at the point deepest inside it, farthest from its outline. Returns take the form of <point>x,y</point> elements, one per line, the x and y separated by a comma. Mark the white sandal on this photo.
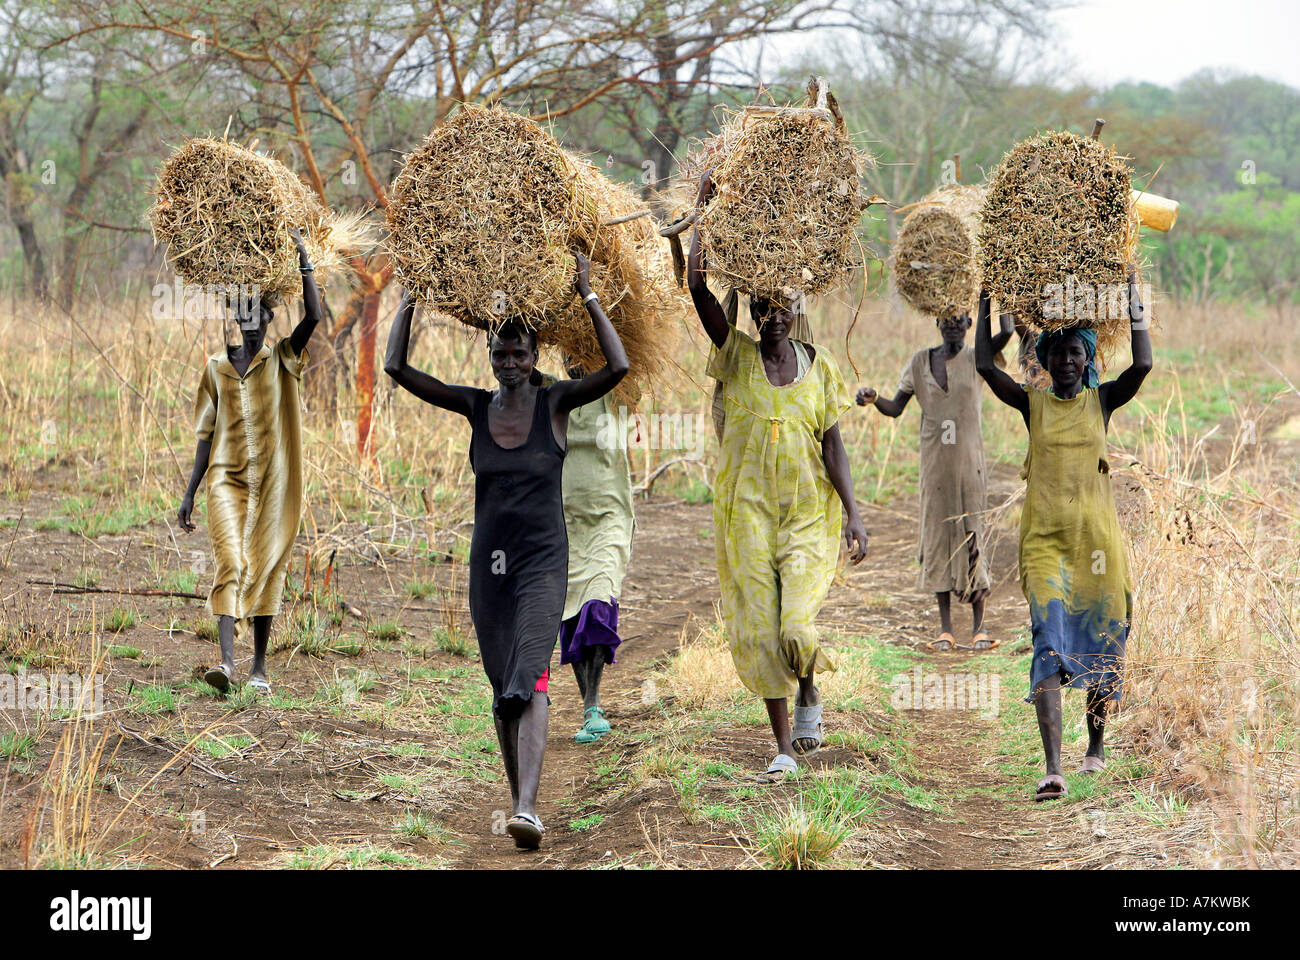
<point>807,726</point>
<point>781,766</point>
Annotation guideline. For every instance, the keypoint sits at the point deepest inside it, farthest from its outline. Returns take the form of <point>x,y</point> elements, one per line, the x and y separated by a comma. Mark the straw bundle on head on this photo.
<point>1059,214</point>
<point>225,212</point>
<point>482,220</point>
<point>785,213</point>
<point>935,264</point>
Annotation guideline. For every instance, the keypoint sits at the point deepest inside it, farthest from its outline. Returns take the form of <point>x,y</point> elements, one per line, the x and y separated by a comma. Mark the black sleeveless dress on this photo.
<point>519,555</point>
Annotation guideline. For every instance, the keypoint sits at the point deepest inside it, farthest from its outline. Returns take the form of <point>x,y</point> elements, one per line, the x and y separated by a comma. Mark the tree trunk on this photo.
<point>366,375</point>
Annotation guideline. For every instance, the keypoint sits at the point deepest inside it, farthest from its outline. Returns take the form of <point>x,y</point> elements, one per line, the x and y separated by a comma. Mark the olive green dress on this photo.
<point>1073,564</point>
<point>254,476</point>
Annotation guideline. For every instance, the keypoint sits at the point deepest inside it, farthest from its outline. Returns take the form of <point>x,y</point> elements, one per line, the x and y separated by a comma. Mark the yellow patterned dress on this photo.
<point>776,514</point>
<point>254,476</point>
<point>1073,567</point>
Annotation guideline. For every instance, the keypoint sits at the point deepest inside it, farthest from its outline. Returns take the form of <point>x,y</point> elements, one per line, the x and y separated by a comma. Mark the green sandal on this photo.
<point>594,726</point>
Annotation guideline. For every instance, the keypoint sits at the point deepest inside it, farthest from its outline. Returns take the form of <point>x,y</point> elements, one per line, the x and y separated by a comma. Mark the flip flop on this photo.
<point>218,677</point>
<point>1092,765</point>
<point>594,726</point>
<point>944,637</point>
<point>1050,787</point>
<point>260,686</point>
<point>527,831</point>
<point>781,766</point>
<point>807,726</point>
<point>983,637</point>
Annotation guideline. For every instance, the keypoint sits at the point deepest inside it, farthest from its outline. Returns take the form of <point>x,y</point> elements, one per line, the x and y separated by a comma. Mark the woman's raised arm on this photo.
<point>1004,387</point>
<point>570,394</point>
<point>711,313</point>
<point>458,399</point>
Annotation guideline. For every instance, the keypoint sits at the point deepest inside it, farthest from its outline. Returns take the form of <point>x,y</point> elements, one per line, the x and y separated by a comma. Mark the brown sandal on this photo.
<point>944,637</point>
<point>983,637</point>
<point>1050,787</point>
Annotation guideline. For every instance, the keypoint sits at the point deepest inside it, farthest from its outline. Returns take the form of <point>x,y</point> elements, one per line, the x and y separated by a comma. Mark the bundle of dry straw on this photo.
<point>482,220</point>
<point>785,213</point>
<point>936,262</point>
<point>225,212</point>
<point>1059,221</point>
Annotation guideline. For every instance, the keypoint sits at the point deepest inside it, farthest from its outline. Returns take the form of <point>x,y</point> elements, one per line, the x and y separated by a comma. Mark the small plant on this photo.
<point>120,620</point>
<point>88,578</point>
<point>17,746</point>
<point>124,651</point>
<point>181,581</point>
<point>806,835</point>
<point>449,642</point>
<point>422,589</point>
<point>588,822</point>
<point>154,700</point>
<point>385,630</point>
<point>206,630</point>
<point>307,737</point>
<point>416,824</point>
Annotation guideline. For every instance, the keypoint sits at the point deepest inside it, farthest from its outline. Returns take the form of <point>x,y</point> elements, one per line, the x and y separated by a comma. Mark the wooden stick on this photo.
<point>1096,128</point>
<point>625,218</point>
<point>680,225</point>
<point>956,159</point>
<point>766,111</point>
<point>137,592</point>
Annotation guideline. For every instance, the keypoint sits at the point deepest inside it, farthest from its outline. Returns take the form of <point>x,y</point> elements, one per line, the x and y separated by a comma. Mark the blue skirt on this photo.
<point>1084,651</point>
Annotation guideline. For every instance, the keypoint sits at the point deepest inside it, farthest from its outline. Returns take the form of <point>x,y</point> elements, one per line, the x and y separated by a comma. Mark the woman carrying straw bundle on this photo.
<point>248,424</point>
<point>598,518</point>
<point>953,482</point>
<point>1073,567</point>
<point>520,552</point>
<point>776,520</point>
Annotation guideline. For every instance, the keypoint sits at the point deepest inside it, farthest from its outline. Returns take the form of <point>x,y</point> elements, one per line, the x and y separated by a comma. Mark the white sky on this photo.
<point>1171,39</point>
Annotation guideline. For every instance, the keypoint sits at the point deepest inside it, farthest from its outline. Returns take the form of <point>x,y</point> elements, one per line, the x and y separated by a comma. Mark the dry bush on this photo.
<point>935,265</point>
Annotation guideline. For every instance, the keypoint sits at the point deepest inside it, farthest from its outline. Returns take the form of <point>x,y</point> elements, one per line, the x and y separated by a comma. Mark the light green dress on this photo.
<point>777,517</point>
<point>597,487</point>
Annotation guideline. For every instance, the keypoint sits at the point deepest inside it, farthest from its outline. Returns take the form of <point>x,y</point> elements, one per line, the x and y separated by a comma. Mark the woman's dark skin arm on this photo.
<point>1004,334</point>
<point>711,313</point>
<point>890,408</point>
<point>837,468</point>
<point>457,399</point>
<point>202,453</point>
<point>310,299</point>
<point>1004,387</point>
<point>568,394</point>
<point>1115,393</point>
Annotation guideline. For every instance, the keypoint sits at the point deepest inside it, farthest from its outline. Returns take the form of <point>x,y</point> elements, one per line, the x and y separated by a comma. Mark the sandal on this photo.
<point>260,686</point>
<point>218,677</point>
<point>943,638</point>
<point>988,643</point>
<point>527,831</point>
<point>807,726</point>
<point>781,766</point>
<point>594,726</point>
<point>1050,787</point>
<point>1092,765</point>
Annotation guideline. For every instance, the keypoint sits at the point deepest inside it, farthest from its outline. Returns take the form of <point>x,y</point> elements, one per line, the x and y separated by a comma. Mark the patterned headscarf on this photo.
<point>1048,339</point>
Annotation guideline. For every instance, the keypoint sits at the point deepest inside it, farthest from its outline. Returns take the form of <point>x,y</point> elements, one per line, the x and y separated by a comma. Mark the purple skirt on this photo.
<point>595,625</point>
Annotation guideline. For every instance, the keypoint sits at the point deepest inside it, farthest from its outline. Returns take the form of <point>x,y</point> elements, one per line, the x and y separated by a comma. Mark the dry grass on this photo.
<point>224,213</point>
<point>935,265</point>
<point>1212,691</point>
<point>482,222</point>
<point>785,214</point>
<point>1059,210</point>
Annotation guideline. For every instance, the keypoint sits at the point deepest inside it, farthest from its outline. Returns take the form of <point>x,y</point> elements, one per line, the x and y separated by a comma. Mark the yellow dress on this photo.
<point>1073,566</point>
<point>776,514</point>
<point>254,476</point>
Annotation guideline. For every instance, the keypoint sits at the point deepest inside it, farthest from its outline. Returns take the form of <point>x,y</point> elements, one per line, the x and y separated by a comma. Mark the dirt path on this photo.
<point>357,755</point>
